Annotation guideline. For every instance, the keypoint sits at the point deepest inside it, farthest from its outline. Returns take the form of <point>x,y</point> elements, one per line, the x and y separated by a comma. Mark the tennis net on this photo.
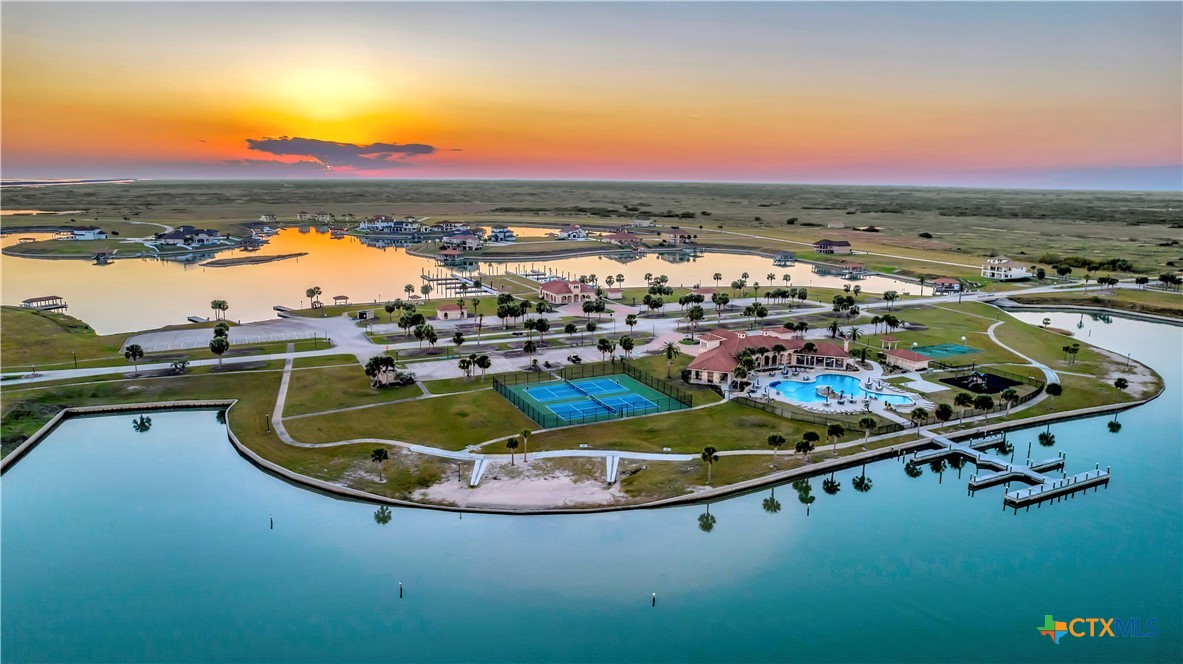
<point>587,394</point>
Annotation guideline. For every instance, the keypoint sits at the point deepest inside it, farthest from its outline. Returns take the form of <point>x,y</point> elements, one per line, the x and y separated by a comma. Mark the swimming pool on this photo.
<point>848,385</point>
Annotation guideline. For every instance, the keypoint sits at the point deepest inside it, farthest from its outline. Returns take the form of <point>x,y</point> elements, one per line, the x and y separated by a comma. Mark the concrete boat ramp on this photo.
<point>1034,473</point>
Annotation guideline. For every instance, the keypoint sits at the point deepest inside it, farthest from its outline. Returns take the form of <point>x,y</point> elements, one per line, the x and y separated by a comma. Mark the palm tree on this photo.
<point>604,346</point>
<point>943,412</point>
<point>627,344</point>
<point>530,347</point>
<point>483,363</point>
<point>694,314</point>
<point>1010,397</point>
<point>426,290</point>
<point>219,307</point>
<point>718,276</point>
<point>133,353</point>
<point>382,515</point>
<point>378,456</point>
<point>570,329</point>
<point>867,424</point>
<point>917,416</point>
<point>963,400</point>
<point>465,365</point>
<point>853,334</point>
<point>834,329</point>
<point>512,444</point>
<point>313,295</point>
<point>525,445</point>
<point>141,424</point>
<point>1055,390</point>
<point>218,346</point>
<point>835,431</point>
<point>409,290</point>
<point>458,340</point>
<point>710,456</point>
<point>776,441</point>
<point>807,443</point>
<point>631,321</point>
<point>983,402</point>
<point>670,350</point>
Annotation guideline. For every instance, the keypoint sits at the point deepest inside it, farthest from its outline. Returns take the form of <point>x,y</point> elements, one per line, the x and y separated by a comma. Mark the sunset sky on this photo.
<point>1011,94</point>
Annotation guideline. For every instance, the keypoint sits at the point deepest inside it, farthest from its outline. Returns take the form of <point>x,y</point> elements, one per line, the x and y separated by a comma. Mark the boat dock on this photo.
<point>45,303</point>
<point>1034,473</point>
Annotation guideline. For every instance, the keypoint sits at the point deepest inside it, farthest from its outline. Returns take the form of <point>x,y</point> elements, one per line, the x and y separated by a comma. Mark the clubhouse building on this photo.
<point>566,292</point>
<point>720,350</point>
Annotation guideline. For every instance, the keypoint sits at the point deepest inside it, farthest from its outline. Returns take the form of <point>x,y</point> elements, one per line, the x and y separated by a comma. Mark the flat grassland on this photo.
<point>965,224</point>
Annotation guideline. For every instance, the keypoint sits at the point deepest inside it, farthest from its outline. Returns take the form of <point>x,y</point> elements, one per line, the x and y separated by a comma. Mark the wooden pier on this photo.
<point>1034,473</point>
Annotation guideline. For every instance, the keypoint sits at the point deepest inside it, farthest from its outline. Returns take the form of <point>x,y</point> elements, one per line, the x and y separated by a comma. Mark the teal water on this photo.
<point>125,546</point>
<point>848,385</point>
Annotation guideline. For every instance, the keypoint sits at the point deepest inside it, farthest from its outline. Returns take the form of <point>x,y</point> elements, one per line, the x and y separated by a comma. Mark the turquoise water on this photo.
<point>125,546</point>
<point>849,385</point>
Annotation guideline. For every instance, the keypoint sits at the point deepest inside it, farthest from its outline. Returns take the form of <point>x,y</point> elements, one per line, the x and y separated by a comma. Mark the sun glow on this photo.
<point>327,93</point>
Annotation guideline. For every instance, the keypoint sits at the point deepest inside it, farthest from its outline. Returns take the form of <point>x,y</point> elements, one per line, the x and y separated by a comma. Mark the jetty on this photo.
<point>45,303</point>
<point>1041,485</point>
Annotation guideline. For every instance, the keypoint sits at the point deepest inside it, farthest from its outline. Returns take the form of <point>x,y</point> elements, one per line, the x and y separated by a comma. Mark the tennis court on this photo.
<point>559,402</point>
<point>943,351</point>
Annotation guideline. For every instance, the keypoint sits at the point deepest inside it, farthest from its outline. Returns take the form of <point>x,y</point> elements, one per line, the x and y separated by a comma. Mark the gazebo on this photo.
<point>340,299</point>
<point>888,342</point>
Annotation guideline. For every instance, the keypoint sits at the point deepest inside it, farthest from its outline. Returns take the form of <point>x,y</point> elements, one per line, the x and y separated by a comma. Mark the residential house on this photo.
<point>448,227</point>
<point>501,234</point>
<point>623,239</point>
<point>678,237</point>
<point>566,292</point>
<point>267,218</point>
<point>188,235</point>
<point>87,233</point>
<point>906,359</point>
<point>303,216</point>
<point>944,285</point>
<point>464,241</point>
<point>1004,269</point>
<point>572,233</point>
<point>325,217</point>
<point>832,247</point>
<point>720,351</point>
<point>450,312</point>
<point>643,222</point>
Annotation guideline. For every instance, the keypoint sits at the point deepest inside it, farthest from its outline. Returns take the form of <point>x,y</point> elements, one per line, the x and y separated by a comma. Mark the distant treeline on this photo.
<point>1090,264</point>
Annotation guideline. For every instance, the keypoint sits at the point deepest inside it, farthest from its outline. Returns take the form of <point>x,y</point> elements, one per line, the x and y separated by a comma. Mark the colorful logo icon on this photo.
<point>1053,629</point>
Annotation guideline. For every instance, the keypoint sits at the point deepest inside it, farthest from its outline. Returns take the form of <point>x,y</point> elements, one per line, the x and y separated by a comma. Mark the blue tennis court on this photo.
<point>559,391</point>
<point>942,351</point>
<point>626,404</point>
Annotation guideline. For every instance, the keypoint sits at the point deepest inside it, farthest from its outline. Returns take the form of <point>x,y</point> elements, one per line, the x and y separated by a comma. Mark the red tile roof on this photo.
<point>905,354</point>
<point>449,307</point>
<point>559,287</point>
<point>944,280</point>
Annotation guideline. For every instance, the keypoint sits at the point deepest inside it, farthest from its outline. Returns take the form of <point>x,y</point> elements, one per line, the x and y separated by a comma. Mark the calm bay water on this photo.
<point>137,294</point>
<point>155,546</point>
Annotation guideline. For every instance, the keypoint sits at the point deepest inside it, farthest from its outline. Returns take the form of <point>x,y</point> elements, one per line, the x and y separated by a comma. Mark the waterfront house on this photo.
<point>267,218</point>
<point>464,241</point>
<point>720,351</point>
<point>87,233</point>
<point>623,239</point>
<point>572,233</point>
<point>853,270</point>
<point>325,217</point>
<point>1004,269</point>
<point>944,285</point>
<point>303,216</point>
<point>906,359</point>
<point>832,247</point>
<point>501,234</point>
<point>450,312</point>
<point>188,235</point>
<point>45,303</point>
<point>566,292</point>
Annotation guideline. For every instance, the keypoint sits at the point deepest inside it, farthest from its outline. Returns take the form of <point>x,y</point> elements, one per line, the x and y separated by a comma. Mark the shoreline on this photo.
<point>726,491</point>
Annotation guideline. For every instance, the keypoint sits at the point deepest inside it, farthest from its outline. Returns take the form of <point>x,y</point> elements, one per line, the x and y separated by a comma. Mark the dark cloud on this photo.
<point>331,154</point>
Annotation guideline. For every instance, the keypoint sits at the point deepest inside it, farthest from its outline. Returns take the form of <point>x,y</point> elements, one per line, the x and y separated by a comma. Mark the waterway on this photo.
<point>137,294</point>
<point>156,546</point>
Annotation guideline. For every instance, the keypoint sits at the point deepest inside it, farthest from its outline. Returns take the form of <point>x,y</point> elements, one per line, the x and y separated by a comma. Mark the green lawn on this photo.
<point>1161,303</point>
<point>726,427</point>
<point>324,361</point>
<point>329,388</point>
<point>449,422</point>
<point>454,385</point>
<point>656,365</point>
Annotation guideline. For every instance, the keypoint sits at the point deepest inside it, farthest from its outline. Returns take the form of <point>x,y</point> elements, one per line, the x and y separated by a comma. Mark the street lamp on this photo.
<point>74,352</point>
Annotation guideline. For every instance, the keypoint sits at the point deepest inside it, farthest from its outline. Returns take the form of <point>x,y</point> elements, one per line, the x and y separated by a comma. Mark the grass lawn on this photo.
<point>83,248</point>
<point>726,427</point>
<point>454,385</point>
<point>323,361</point>
<point>1161,303</point>
<point>328,388</point>
<point>449,422</point>
<point>663,479</point>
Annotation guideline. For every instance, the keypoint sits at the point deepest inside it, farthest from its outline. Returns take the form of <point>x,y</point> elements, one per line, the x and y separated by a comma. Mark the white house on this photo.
<point>267,218</point>
<point>87,233</point>
<point>832,247</point>
<point>678,237</point>
<point>642,222</point>
<point>566,292</point>
<point>325,217</point>
<point>303,216</point>
<point>466,241</point>
<point>1004,269</point>
<point>946,285</point>
<point>501,234</point>
<point>572,233</point>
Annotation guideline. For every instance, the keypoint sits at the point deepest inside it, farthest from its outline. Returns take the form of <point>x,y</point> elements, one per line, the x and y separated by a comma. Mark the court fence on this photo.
<point>961,369</point>
<point>675,400</point>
